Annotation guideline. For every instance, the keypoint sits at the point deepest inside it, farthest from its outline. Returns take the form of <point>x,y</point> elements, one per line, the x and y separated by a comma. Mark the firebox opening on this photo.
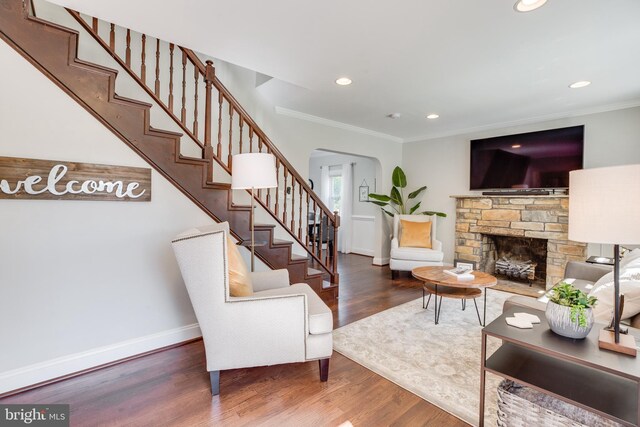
<point>519,259</point>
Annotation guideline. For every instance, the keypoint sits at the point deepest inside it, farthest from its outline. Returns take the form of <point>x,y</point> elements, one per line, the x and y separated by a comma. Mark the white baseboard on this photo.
<point>363,251</point>
<point>380,261</point>
<point>65,365</point>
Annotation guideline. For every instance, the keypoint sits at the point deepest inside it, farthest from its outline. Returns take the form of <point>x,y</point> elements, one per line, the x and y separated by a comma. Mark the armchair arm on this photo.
<point>394,243</point>
<point>257,331</point>
<point>437,245</point>
<point>586,271</point>
<point>272,279</point>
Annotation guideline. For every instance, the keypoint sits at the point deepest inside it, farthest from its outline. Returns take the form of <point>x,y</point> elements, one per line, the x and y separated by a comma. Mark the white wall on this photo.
<point>80,277</point>
<point>363,224</point>
<point>611,138</point>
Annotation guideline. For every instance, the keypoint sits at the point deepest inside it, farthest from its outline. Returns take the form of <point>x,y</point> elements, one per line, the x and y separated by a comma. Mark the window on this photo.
<point>336,193</point>
<point>335,190</point>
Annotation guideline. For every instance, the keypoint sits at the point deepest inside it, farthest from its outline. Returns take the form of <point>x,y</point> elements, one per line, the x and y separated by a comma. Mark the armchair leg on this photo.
<point>215,382</point>
<point>324,369</point>
<point>394,274</point>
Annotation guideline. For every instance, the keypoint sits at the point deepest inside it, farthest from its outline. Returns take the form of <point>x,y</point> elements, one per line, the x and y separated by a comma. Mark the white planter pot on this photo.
<point>559,319</point>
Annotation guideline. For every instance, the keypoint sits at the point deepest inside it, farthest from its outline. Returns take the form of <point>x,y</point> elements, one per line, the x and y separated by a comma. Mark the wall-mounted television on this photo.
<point>528,160</point>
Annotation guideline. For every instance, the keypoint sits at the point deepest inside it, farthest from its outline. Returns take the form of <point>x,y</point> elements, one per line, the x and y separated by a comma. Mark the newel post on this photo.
<point>209,75</point>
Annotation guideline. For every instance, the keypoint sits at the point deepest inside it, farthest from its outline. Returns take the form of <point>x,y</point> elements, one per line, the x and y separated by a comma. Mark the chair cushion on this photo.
<point>239,279</point>
<point>320,316</point>
<point>415,234</point>
<point>417,254</point>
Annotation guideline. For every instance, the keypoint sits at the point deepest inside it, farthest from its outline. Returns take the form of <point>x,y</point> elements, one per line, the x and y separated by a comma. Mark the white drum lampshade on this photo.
<point>604,205</point>
<point>253,170</point>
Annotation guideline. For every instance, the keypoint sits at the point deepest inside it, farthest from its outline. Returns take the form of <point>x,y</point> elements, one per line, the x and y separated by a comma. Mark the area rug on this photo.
<point>440,363</point>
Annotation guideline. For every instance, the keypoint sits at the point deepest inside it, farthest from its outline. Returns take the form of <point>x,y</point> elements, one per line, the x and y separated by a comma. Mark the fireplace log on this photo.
<point>524,270</point>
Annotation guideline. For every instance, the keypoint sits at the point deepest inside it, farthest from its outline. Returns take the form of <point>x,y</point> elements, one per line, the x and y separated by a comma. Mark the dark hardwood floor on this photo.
<point>171,388</point>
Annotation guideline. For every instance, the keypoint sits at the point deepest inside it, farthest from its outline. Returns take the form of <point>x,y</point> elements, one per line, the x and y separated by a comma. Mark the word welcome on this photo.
<point>29,178</point>
<point>87,187</point>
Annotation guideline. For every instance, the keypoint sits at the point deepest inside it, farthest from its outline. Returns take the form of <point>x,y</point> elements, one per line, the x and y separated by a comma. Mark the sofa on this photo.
<point>583,276</point>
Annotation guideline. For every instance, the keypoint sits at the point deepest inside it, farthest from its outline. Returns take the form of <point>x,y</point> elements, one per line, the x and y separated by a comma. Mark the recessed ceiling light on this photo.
<point>394,115</point>
<point>578,85</point>
<point>516,146</point>
<point>432,116</point>
<point>343,81</point>
<point>528,5</point>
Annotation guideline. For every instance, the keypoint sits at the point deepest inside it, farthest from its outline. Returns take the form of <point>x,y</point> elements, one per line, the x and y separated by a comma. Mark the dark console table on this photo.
<point>575,371</point>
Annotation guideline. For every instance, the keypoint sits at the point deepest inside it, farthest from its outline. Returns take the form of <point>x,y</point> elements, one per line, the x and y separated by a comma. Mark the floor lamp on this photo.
<point>251,171</point>
<point>604,207</point>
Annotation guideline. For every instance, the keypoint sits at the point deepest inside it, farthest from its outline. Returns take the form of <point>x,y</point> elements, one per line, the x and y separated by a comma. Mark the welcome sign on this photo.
<point>56,180</point>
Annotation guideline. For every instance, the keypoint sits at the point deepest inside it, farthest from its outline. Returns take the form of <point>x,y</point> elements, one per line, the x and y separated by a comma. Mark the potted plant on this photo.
<point>569,311</point>
<point>396,201</point>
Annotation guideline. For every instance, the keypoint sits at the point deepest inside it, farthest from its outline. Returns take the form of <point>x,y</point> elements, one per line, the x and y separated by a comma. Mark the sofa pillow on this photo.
<point>415,234</point>
<point>604,291</point>
<point>239,279</point>
<point>631,259</point>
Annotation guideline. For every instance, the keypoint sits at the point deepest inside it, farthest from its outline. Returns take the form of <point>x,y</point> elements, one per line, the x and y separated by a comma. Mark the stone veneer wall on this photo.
<point>542,217</point>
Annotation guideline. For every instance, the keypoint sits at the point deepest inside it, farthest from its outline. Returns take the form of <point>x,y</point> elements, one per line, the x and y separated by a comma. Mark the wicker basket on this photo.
<point>520,406</point>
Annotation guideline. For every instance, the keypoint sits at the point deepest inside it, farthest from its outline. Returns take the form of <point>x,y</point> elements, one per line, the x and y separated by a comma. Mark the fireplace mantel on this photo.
<point>541,217</point>
<point>513,196</point>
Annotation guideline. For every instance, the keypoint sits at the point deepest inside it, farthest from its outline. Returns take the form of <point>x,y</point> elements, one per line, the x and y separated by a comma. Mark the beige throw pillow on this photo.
<point>239,279</point>
<point>415,234</point>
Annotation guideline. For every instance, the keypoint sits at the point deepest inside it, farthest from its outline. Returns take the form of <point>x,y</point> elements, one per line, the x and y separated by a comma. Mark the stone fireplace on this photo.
<point>539,222</point>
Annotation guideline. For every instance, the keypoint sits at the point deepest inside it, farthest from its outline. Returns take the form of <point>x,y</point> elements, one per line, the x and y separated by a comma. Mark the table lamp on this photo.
<point>251,171</point>
<point>604,207</point>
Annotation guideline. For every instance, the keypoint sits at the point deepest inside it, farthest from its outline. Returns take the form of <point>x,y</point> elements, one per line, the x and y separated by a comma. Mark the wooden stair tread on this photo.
<point>217,185</point>
<point>263,225</point>
<point>182,157</point>
<point>313,272</point>
<point>296,257</point>
<point>281,242</point>
<point>328,285</point>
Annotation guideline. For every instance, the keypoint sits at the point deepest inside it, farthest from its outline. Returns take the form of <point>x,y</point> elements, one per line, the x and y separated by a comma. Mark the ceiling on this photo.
<point>478,64</point>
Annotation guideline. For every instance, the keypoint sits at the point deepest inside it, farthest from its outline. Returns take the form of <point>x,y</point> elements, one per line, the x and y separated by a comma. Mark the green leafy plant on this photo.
<point>396,201</point>
<point>567,295</point>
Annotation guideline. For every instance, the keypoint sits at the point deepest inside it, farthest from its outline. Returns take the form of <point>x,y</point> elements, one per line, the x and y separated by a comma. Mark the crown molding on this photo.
<point>461,131</point>
<point>335,124</point>
<point>530,120</point>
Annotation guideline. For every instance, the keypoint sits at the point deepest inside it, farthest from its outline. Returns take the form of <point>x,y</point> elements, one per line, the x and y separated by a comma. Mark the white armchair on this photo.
<point>277,324</point>
<point>408,258</point>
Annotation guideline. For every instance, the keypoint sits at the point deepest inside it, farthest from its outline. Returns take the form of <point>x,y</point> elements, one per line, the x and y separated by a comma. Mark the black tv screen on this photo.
<point>527,160</point>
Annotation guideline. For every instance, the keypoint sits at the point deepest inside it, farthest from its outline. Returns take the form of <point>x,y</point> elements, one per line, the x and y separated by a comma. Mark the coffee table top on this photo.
<point>436,276</point>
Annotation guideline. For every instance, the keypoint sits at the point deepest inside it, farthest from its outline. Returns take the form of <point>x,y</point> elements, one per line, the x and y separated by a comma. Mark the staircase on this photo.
<point>209,117</point>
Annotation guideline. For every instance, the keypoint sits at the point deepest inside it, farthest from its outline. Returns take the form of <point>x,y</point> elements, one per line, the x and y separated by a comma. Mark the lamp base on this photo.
<point>627,344</point>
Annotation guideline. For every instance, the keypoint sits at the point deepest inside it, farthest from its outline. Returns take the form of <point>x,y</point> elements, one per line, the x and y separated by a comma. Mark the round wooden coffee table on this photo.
<point>441,284</point>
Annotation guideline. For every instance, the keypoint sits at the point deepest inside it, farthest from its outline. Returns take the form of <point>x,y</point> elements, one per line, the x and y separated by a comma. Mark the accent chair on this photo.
<point>408,258</point>
<point>279,323</point>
